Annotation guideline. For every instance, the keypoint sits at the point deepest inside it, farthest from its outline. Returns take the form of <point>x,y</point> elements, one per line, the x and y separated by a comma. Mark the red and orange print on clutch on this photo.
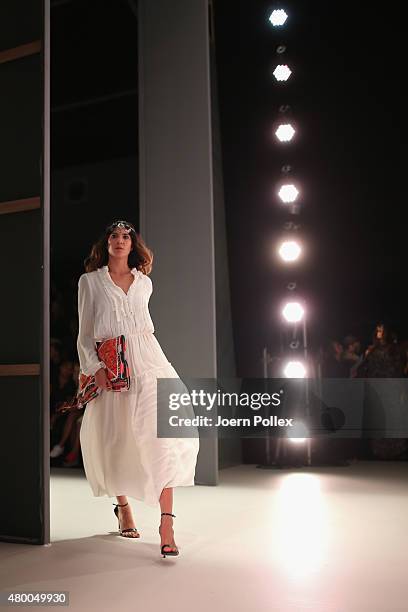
<point>113,354</point>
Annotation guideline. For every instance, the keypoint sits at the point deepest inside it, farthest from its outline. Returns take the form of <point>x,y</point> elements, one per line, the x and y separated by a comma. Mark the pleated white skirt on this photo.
<point>121,452</point>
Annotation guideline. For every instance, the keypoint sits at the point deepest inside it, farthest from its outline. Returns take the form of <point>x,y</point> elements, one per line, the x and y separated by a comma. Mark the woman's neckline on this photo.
<point>134,271</point>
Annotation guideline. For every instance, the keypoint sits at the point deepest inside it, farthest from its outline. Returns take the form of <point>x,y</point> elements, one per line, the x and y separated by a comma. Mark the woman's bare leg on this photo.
<point>126,516</point>
<point>166,526</point>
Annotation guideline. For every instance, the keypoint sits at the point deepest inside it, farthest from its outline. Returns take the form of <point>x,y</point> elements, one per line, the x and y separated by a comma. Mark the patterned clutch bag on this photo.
<point>113,353</point>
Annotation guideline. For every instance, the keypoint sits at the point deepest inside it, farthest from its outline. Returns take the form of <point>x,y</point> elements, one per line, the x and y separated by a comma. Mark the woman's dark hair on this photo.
<point>140,257</point>
<point>388,335</point>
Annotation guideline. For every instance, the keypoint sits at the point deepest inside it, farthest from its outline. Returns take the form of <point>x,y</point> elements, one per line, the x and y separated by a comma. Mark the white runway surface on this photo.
<point>309,539</point>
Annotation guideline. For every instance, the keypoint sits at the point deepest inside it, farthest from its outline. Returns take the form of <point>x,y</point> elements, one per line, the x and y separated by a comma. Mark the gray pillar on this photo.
<point>176,191</point>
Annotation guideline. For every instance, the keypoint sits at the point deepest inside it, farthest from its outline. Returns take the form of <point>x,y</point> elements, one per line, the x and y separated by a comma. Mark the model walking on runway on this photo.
<point>121,452</point>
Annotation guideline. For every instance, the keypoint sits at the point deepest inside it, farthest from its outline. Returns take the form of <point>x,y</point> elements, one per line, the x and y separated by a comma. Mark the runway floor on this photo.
<point>307,539</point>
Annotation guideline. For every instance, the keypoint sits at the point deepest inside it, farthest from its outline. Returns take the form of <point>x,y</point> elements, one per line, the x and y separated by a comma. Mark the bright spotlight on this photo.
<point>282,72</point>
<point>285,132</point>
<point>294,369</point>
<point>293,312</point>
<point>278,17</point>
<point>288,193</point>
<point>289,250</point>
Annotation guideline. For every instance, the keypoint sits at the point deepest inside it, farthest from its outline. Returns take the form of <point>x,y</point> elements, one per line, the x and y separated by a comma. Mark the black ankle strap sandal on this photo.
<point>122,531</point>
<point>168,553</point>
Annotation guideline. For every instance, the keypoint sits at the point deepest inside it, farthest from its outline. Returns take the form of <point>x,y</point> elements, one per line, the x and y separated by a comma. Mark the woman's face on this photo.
<point>120,243</point>
<point>380,332</point>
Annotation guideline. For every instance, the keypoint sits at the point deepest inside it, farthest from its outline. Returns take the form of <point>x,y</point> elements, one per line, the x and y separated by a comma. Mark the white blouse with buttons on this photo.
<point>106,311</point>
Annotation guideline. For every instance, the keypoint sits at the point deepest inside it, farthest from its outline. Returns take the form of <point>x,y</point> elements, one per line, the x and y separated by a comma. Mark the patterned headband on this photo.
<point>122,225</point>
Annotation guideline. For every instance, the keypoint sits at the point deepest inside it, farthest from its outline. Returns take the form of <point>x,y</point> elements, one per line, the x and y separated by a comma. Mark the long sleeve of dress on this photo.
<point>88,357</point>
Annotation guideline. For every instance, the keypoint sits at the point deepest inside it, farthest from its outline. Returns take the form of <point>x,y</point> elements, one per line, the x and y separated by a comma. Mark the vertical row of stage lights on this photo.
<point>289,249</point>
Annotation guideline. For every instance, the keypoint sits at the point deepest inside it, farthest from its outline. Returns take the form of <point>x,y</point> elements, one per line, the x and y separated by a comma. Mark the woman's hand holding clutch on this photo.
<point>115,376</point>
<point>102,380</point>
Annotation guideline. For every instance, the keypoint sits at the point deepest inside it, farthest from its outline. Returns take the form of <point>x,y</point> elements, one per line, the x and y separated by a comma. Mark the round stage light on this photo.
<point>282,72</point>
<point>293,312</point>
<point>278,17</point>
<point>289,250</point>
<point>285,132</point>
<point>288,193</point>
<point>294,369</point>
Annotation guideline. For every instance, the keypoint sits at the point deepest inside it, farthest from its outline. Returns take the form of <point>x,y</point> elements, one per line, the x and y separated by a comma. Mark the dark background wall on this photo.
<point>94,146</point>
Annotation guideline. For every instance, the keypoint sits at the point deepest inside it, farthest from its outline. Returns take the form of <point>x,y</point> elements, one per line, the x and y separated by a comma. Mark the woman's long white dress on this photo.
<point>121,452</point>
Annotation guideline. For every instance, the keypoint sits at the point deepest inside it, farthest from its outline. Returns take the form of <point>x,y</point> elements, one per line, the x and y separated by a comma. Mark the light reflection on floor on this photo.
<point>301,526</point>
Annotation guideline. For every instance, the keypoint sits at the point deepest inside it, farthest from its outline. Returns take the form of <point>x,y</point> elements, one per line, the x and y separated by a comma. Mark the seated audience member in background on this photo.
<point>338,451</point>
<point>63,391</point>
<point>72,458</point>
<point>352,356</point>
<point>404,356</point>
<point>333,365</point>
<point>383,358</point>
<point>71,428</point>
<point>55,360</point>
